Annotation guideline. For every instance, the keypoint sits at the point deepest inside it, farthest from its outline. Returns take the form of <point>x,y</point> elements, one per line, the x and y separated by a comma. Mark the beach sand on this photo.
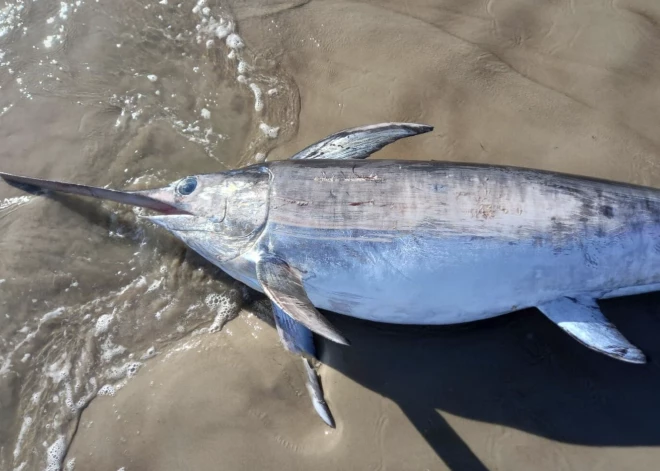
<point>565,86</point>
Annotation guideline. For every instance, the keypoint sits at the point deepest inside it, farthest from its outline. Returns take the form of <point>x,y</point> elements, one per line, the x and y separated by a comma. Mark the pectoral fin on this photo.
<point>299,339</point>
<point>581,318</point>
<point>283,285</point>
<point>360,143</point>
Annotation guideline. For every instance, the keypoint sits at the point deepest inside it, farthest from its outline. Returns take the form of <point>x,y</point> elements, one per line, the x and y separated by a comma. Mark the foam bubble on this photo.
<point>106,390</point>
<point>55,313</point>
<point>224,309</point>
<point>196,9</point>
<point>129,370</point>
<point>214,300</point>
<point>50,40</point>
<point>59,370</point>
<point>234,41</point>
<point>55,454</point>
<point>9,18</point>
<point>258,102</point>
<point>206,114</point>
<point>71,464</point>
<point>270,131</point>
<point>132,368</point>
<point>109,350</point>
<point>6,108</point>
<point>84,400</point>
<point>224,28</point>
<point>155,285</point>
<point>27,421</point>
<point>152,77</point>
<point>64,10</point>
<point>103,324</point>
<point>151,352</point>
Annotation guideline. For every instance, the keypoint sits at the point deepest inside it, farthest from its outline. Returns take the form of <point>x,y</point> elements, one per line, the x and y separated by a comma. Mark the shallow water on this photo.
<point>131,95</point>
<point>119,348</point>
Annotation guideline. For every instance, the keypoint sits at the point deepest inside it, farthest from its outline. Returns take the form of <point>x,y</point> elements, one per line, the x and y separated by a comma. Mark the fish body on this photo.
<point>411,242</point>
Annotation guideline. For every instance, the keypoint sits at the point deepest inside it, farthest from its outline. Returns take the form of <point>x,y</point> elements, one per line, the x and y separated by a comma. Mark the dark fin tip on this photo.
<point>337,337</point>
<point>635,356</point>
<point>425,128</point>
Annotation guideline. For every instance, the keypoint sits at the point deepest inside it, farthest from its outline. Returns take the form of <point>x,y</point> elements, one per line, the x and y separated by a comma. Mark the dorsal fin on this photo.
<point>581,319</point>
<point>360,143</point>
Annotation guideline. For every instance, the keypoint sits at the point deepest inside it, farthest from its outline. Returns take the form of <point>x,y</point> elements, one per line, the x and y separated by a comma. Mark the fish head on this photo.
<point>219,215</point>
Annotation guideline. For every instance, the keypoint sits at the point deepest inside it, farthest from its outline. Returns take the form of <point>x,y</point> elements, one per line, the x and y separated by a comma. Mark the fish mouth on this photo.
<point>156,200</point>
<point>182,223</point>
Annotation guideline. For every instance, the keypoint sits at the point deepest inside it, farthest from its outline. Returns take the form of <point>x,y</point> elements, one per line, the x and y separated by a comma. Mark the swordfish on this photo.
<point>411,242</point>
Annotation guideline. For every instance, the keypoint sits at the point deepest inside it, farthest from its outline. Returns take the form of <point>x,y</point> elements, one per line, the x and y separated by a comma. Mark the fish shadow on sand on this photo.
<point>519,370</point>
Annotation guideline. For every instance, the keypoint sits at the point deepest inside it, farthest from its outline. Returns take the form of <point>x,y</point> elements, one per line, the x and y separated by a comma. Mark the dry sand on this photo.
<point>567,86</point>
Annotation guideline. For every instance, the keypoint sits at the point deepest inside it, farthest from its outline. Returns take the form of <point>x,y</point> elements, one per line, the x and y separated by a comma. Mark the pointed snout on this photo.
<point>158,200</point>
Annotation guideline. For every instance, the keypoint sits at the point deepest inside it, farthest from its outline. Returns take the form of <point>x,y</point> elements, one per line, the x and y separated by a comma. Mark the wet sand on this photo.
<point>506,394</point>
<point>563,86</point>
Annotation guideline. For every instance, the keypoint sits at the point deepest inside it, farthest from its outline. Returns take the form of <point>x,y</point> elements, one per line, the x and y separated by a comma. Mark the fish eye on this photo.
<point>186,186</point>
